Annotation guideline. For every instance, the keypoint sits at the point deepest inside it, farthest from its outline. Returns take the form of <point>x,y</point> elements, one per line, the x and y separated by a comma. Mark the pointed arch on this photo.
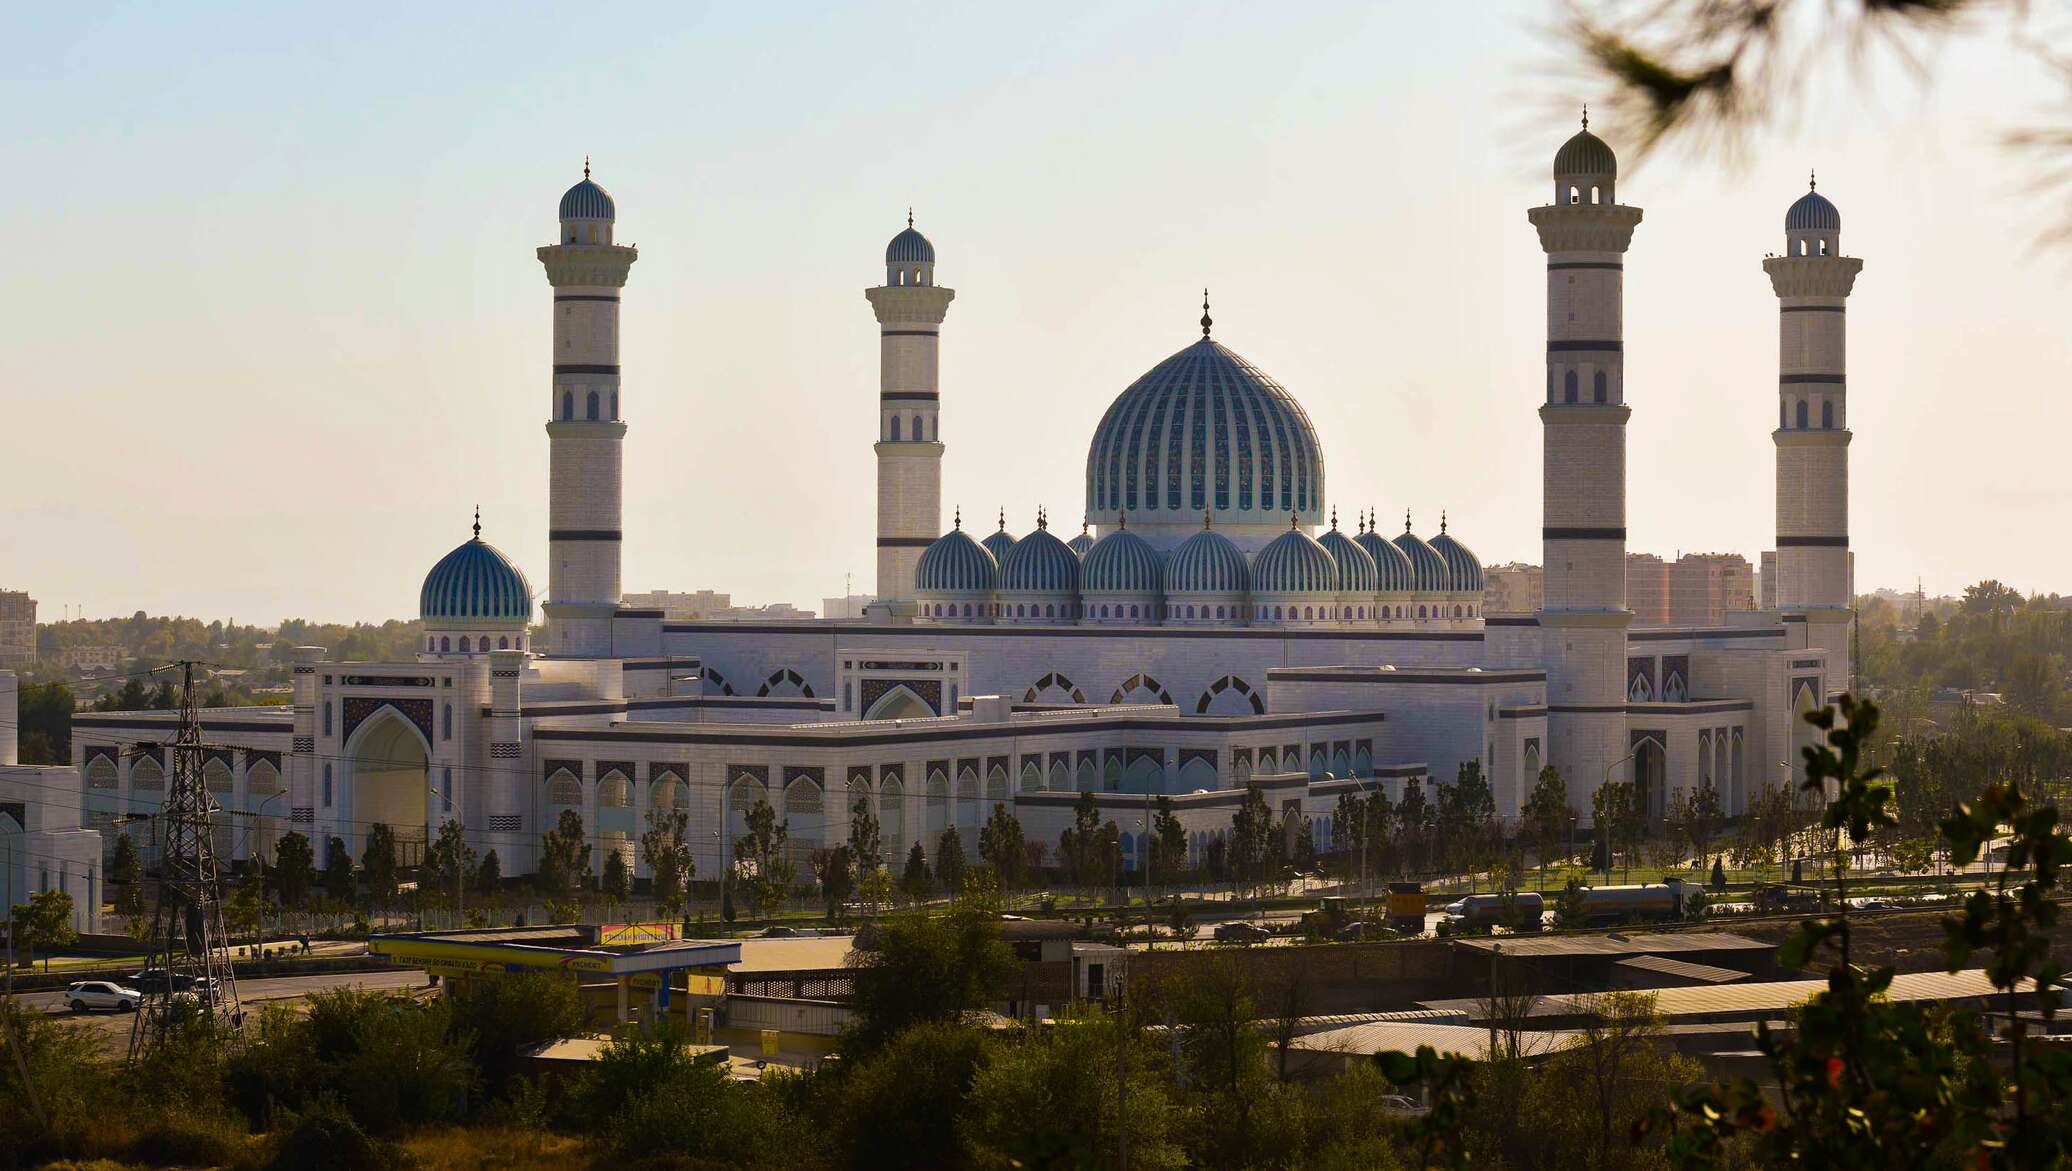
<point>614,791</point>
<point>1142,689</point>
<point>1054,688</point>
<point>786,681</point>
<point>712,676</point>
<point>564,788</point>
<point>1230,695</point>
<point>900,702</point>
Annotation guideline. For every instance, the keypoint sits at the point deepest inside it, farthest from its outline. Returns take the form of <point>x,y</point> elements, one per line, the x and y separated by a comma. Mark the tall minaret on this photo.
<point>910,308</point>
<point>584,431</point>
<point>1585,233</point>
<point>1812,281</point>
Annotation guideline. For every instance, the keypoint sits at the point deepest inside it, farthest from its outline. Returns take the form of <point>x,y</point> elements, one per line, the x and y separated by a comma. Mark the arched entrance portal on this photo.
<point>391,782</point>
<point>1651,778</point>
<point>900,703</point>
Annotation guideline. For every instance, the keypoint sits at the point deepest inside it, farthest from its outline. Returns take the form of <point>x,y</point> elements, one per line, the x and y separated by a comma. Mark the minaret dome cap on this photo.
<point>588,201</point>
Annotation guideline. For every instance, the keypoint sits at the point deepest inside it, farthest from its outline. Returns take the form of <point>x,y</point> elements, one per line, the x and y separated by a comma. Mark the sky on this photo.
<point>277,326</point>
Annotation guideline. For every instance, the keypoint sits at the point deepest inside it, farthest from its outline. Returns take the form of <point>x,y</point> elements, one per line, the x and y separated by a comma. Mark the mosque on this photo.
<point>1212,627</point>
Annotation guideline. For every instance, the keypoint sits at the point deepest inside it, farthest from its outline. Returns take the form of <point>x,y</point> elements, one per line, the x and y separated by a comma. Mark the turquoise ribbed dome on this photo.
<point>1396,574</point>
<point>1463,568</point>
<point>1040,564</point>
<point>1357,572</point>
<point>1207,563</point>
<point>1813,213</point>
<point>909,247</point>
<point>1122,562</point>
<point>475,581</point>
<point>955,564</point>
<point>588,201</point>
<point>1081,544</point>
<point>1294,563</point>
<point>999,542</point>
<point>1429,574</point>
<point>1585,154</point>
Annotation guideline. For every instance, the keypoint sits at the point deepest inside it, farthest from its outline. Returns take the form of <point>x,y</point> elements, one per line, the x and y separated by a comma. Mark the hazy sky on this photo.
<point>276,324</point>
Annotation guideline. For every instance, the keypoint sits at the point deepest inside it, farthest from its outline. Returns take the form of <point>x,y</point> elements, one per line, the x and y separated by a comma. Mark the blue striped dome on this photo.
<point>1397,575</point>
<point>1122,562</point>
<point>955,564</point>
<point>1357,572</point>
<point>588,201</point>
<point>998,543</point>
<point>1294,563</point>
<point>1813,212</point>
<point>1429,574</point>
<point>1463,568</point>
<point>1040,564</point>
<point>475,581</point>
<point>1585,154</point>
<point>1205,432</point>
<point>1207,563</point>
<point>910,247</point>
<point>1082,543</point>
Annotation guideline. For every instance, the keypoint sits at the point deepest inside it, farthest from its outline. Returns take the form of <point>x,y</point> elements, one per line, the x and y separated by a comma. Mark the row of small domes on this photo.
<point>1121,562</point>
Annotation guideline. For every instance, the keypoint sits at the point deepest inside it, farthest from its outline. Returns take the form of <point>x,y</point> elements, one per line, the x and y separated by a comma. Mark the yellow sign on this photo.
<point>628,934</point>
<point>770,1043</point>
<point>705,985</point>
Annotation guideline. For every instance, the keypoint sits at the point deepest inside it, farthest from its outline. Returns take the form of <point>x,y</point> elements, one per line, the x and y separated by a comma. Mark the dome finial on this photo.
<point>1586,115</point>
<point>1003,518</point>
<point>478,522</point>
<point>1294,520</point>
<point>1042,518</point>
<point>586,166</point>
<point>910,216</point>
<point>1122,520</point>
<point>1406,520</point>
<point>1206,515</point>
<point>959,522</point>
<point>1206,321</point>
<point>1442,521</point>
<point>1084,525</point>
<point>1812,180</point>
<point>1334,518</point>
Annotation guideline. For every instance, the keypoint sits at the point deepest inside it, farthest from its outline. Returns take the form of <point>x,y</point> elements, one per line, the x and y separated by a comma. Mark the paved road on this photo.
<point>274,987</point>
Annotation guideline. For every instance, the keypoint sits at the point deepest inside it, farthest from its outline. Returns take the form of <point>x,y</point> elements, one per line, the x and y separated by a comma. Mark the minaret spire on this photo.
<point>478,522</point>
<point>586,166</point>
<point>1206,320</point>
<point>1586,115</point>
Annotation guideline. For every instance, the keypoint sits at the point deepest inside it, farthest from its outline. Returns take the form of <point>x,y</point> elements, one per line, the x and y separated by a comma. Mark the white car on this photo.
<point>88,995</point>
<point>1403,1107</point>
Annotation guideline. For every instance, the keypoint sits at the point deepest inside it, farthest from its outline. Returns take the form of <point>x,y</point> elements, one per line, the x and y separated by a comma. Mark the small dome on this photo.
<point>1207,563</point>
<point>588,201</point>
<point>1040,564</point>
<point>1294,563</point>
<point>1429,574</point>
<point>1082,543</point>
<point>1122,562</point>
<point>1396,573</point>
<point>999,542</point>
<point>475,581</point>
<point>910,247</point>
<point>955,564</point>
<point>1463,568</point>
<point>1814,213</point>
<point>1357,572</point>
<point>1585,154</point>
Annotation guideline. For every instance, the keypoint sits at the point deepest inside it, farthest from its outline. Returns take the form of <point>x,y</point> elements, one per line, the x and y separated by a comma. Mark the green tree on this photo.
<point>44,923</point>
<point>904,1104</point>
<point>338,871</point>
<point>1467,817</point>
<point>1168,841</point>
<point>294,870</point>
<point>668,857</point>
<point>44,722</point>
<point>1001,846</point>
<point>450,862</point>
<point>1620,818</point>
<point>866,842</point>
<point>836,870</point>
<point>564,859</point>
<point>949,861</point>
<point>1252,834</point>
<point>1547,815</point>
<point>506,1015</point>
<point>489,878</point>
<point>915,881</point>
<point>378,866</point>
<point>617,885</point>
<point>126,872</point>
<point>926,967</point>
<point>1079,845</point>
<point>1413,826</point>
<point>761,852</point>
<point>1073,1071</point>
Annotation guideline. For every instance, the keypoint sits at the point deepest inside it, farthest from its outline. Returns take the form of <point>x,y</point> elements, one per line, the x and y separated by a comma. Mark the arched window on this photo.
<point>503,642</point>
<point>430,644</point>
<point>1823,247</point>
<point>568,404</point>
<point>1456,611</point>
<point>1050,611</point>
<point>463,644</point>
<point>1596,194</point>
<point>1575,195</point>
<point>1133,611</point>
<point>445,644</point>
<point>895,428</point>
<point>1802,416</point>
<point>1827,415</point>
<point>591,406</point>
<point>1601,386</point>
<point>919,434</point>
<point>1420,611</point>
<point>1568,387</point>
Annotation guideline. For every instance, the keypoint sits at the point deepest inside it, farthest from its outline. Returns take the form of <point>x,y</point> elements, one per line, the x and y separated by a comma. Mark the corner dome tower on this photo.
<point>587,212</point>
<point>1206,433</point>
<point>1813,224</point>
<point>475,600</point>
<point>1585,169</point>
<point>909,258</point>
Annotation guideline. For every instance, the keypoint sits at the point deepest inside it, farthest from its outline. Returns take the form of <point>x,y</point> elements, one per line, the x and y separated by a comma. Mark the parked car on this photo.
<point>92,995</point>
<point>1238,931</point>
<point>1402,1106</point>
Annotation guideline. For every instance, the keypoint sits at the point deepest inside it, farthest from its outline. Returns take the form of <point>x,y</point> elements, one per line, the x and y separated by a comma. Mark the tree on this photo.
<point>1467,816</point>
<point>451,861</point>
<point>866,843</point>
<point>1072,1071</point>
<point>1705,816</point>
<point>1168,841</point>
<point>915,881</point>
<point>1414,825</point>
<point>837,874</point>
<point>44,716</point>
<point>378,865</point>
<point>761,853</point>
<point>1619,816</point>
<point>1001,845</point>
<point>668,857</point>
<point>126,872</point>
<point>903,1105</point>
<point>1547,815</point>
<point>564,859</point>
<point>1612,1072</point>
<point>617,886</point>
<point>949,861</point>
<point>294,870</point>
<point>1252,830</point>
<point>926,967</point>
<point>44,923</point>
<point>1079,845</point>
<point>489,878</point>
<point>338,871</point>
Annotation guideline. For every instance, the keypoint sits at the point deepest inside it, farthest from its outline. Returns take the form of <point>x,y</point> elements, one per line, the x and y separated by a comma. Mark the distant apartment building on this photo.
<point>709,606</point>
<point>1705,587</point>
<point>1647,589</point>
<point>849,608</point>
<point>17,628</point>
<point>1514,588</point>
<point>91,658</point>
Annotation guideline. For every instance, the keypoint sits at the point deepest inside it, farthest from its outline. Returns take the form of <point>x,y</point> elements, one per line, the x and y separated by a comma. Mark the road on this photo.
<point>272,988</point>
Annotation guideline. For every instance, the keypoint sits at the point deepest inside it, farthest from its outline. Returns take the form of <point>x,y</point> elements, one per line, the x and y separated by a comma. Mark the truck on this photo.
<point>1407,907</point>
<point>1650,902</point>
<point>1518,911</point>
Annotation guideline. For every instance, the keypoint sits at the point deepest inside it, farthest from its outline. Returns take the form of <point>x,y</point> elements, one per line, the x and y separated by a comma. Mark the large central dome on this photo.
<point>1204,432</point>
